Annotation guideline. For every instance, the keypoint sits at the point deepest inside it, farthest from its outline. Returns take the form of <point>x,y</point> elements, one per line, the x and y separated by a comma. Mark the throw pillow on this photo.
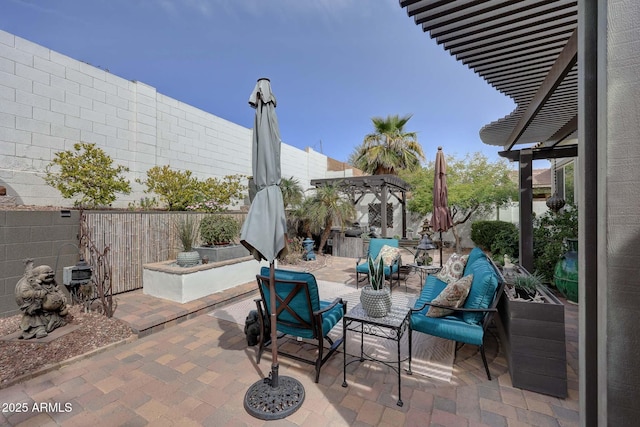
<point>454,295</point>
<point>388,254</point>
<point>453,269</point>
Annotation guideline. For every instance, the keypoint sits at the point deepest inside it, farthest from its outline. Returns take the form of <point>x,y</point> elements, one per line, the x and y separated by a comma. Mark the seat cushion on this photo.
<point>453,295</point>
<point>483,288</point>
<point>453,269</point>
<point>364,269</point>
<point>475,254</point>
<point>448,327</point>
<point>331,317</point>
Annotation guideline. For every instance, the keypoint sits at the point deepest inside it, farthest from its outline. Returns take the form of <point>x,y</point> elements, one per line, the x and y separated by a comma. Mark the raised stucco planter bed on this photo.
<point>167,280</point>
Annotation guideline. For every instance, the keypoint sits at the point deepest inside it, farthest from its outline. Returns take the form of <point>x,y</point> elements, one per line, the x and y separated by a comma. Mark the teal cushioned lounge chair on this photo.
<point>299,313</point>
<point>362,268</point>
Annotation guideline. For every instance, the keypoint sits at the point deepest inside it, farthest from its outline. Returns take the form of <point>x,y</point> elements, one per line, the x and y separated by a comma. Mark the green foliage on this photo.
<point>187,230</point>
<point>215,194</point>
<point>327,206</point>
<point>376,273</point>
<point>292,192</point>
<point>389,148</point>
<point>475,187</point>
<point>549,232</point>
<point>528,282</point>
<point>497,237</point>
<point>87,172</point>
<point>181,191</point>
<point>145,204</point>
<point>219,229</point>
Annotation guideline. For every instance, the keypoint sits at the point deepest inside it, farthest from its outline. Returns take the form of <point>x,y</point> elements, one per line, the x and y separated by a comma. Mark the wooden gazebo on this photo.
<point>382,186</point>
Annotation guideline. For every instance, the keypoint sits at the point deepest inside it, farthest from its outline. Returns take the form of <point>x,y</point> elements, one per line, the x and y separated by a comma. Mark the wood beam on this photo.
<point>563,65</point>
<point>544,153</point>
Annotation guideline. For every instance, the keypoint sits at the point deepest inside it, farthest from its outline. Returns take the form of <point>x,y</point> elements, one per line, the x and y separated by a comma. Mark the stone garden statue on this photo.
<point>42,303</point>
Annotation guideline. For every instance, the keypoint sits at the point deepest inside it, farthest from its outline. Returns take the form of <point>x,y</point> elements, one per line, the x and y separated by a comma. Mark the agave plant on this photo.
<point>526,284</point>
<point>376,273</point>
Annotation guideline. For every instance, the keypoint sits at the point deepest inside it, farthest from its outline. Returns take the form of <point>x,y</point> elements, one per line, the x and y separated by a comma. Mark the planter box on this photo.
<point>222,253</point>
<point>167,280</point>
<point>534,339</point>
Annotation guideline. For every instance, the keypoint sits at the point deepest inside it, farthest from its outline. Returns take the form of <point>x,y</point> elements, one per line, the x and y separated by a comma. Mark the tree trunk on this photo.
<point>325,235</point>
<point>456,236</point>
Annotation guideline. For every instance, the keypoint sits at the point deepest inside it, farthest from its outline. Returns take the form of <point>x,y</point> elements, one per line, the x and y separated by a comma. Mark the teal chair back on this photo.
<point>296,300</point>
<point>376,244</point>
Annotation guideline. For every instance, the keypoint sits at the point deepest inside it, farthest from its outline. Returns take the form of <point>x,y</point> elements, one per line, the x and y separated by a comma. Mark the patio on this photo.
<point>187,368</point>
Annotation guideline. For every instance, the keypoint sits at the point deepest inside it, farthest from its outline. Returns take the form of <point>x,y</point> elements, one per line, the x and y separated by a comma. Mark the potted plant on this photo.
<point>376,297</point>
<point>187,230</point>
<point>217,230</point>
<point>525,286</point>
<point>531,326</point>
<point>219,234</point>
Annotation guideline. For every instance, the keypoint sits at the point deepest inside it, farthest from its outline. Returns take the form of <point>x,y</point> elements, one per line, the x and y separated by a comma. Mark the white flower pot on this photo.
<point>376,303</point>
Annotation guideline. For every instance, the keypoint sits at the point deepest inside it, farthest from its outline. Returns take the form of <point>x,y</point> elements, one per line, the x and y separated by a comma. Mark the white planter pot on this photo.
<point>376,303</point>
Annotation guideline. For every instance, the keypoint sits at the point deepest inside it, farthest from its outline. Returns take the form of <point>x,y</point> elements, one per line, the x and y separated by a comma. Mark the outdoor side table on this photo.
<point>424,271</point>
<point>391,327</point>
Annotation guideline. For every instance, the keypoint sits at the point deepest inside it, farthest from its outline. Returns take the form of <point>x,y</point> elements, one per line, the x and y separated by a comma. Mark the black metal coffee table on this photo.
<point>391,327</point>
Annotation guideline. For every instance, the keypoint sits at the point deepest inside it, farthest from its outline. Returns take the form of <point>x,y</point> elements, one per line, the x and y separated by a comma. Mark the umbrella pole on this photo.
<point>276,397</point>
<point>440,248</point>
<point>274,332</point>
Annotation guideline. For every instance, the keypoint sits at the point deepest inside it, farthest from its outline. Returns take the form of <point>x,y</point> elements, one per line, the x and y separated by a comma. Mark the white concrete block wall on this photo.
<point>49,101</point>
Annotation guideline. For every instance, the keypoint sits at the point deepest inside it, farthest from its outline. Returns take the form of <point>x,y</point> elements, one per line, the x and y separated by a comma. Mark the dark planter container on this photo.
<point>534,339</point>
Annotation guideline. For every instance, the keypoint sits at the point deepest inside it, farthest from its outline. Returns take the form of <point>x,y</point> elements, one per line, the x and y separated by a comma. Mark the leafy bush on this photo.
<point>219,229</point>
<point>549,232</point>
<point>181,191</point>
<point>487,234</point>
<point>87,172</point>
<point>175,188</point>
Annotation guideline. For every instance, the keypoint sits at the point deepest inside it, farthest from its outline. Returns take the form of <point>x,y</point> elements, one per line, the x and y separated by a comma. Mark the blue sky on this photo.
<point>333,64</point>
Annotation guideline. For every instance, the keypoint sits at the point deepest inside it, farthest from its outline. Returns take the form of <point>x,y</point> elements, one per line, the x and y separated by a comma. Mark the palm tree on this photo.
<point>292,192</point>
<point>389,148</point>
<point>326,207</point>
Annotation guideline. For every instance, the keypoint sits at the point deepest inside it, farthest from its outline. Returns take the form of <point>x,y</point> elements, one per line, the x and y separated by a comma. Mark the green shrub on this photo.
<point>497,237</point>
<point>219,229</point>
<point>549,232</point>
<point>181,191</point>
<point>87,172</point>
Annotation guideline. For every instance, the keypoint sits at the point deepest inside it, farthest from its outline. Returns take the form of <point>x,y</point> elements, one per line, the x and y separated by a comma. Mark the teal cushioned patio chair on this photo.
<point>299,313</point>
<point>362,268</point>
<point>468,324</point>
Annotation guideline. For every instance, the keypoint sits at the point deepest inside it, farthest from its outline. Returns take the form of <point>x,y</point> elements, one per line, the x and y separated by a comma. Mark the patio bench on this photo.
<point>466,324</point>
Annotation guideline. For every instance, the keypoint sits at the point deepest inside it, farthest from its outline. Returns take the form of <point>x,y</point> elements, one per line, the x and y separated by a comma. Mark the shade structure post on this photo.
<point>264,235</point>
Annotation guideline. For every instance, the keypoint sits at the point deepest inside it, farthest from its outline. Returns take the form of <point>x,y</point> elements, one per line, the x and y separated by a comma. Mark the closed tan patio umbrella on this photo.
<point>441,219</point>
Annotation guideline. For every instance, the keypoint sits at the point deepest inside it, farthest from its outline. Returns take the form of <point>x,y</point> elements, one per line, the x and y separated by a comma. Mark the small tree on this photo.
<point>326,207</point>
<point>181,191</point>
<point>87,172</point>
<point>475,186</point>
<point>175,188</point>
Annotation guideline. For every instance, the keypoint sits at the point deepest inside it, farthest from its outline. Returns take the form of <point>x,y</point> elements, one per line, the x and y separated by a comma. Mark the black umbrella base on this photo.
<point>266,402</point>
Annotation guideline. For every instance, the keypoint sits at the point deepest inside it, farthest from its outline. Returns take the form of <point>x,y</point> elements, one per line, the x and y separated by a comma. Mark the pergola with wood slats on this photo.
<point>527,50</point>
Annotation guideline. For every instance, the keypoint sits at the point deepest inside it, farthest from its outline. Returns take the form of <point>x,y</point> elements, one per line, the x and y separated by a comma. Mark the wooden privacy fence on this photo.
<point>138,238</point>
